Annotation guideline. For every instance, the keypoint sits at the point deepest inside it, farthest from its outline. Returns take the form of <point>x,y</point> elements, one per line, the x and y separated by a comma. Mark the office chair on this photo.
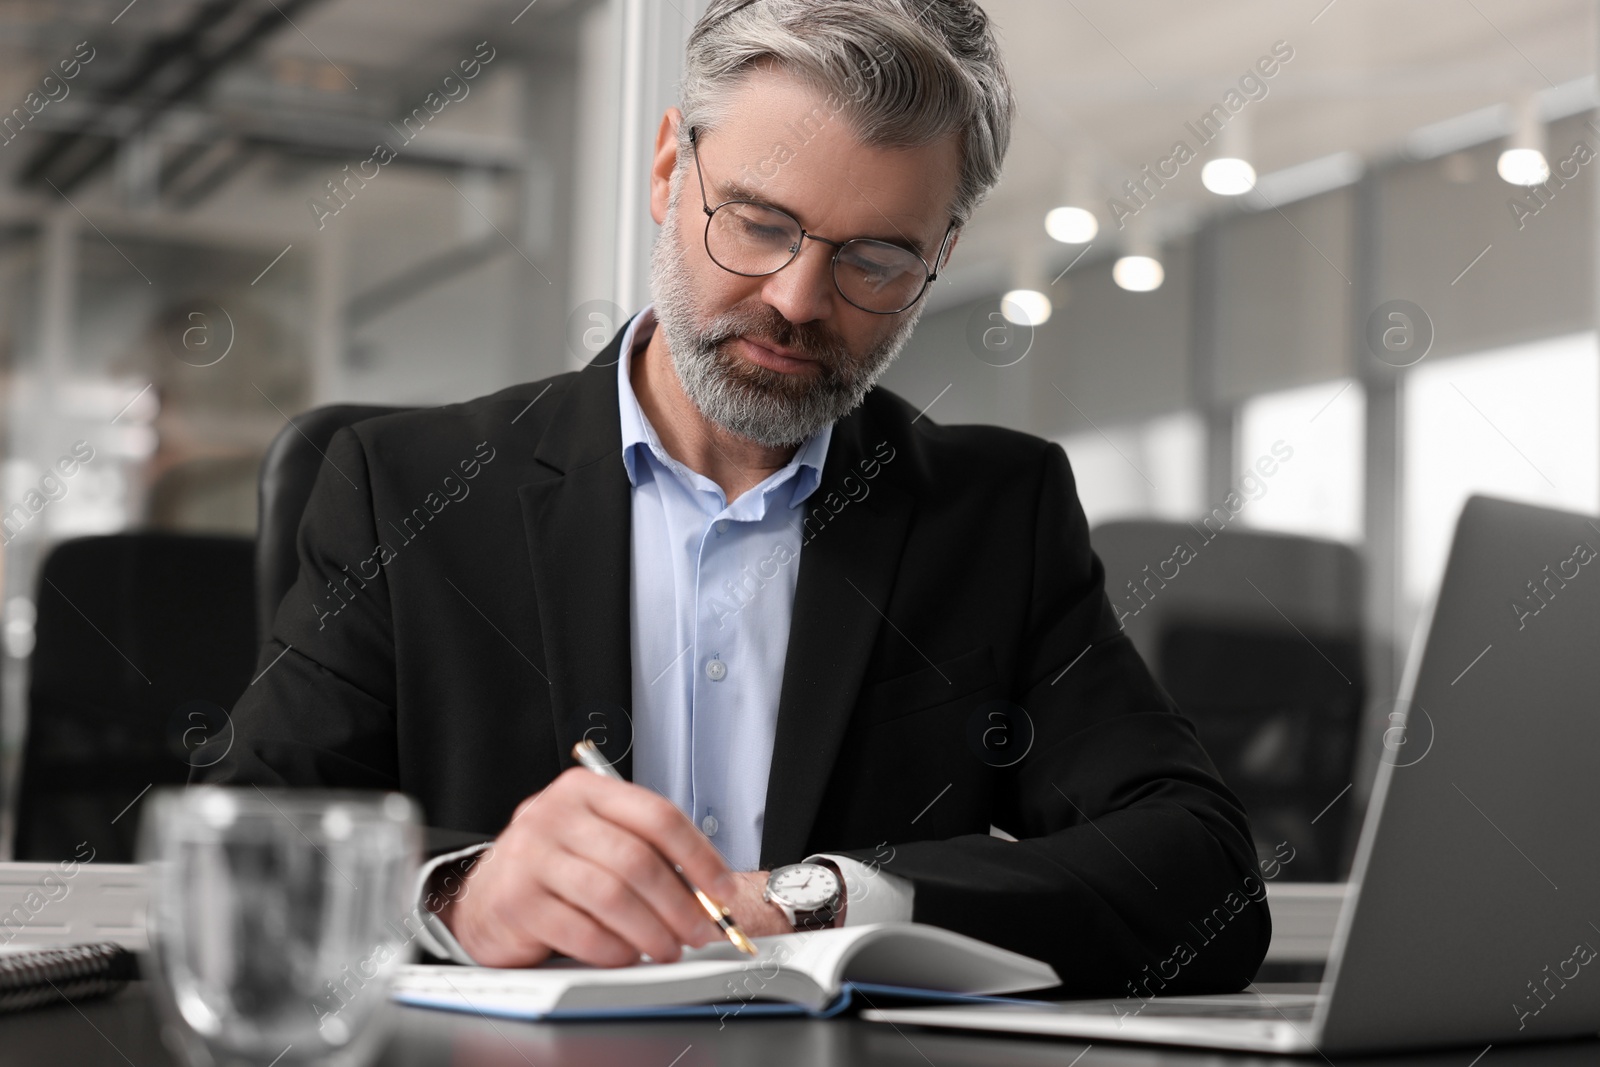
<point>288,472</point>
<point>142,639</point>
<point>1258,639</point>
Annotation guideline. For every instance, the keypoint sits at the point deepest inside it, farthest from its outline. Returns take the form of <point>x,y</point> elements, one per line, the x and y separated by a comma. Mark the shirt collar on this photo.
<point>804,470</point>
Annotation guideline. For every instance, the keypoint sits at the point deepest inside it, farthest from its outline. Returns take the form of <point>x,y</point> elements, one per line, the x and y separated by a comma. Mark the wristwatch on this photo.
<point>809,894</point>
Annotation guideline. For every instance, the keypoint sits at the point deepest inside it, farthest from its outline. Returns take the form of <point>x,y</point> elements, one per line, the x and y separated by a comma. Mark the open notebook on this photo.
<point>815,973</point>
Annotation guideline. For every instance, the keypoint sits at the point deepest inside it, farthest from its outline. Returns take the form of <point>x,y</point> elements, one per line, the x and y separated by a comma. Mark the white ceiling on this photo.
<point>1112,82</point>
<point>1115,81</point>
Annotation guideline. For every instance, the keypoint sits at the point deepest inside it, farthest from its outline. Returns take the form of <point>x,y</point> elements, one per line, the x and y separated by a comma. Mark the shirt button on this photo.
<point>722,526</point>
<point>709,825</point>
<point>716,670</point>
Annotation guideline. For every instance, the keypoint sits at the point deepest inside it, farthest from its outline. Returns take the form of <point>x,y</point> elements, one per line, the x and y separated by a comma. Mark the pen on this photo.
<point>587,754</point>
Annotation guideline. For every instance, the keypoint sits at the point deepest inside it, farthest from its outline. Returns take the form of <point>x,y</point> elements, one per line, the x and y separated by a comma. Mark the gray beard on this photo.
<point>773,409</point>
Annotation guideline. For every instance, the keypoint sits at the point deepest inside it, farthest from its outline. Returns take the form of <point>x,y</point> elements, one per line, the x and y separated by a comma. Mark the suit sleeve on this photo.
<point>1135,873</point>
<point>321,710</point>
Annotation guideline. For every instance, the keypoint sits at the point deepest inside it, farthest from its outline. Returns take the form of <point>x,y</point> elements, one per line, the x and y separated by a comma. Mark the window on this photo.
<point>1153,469</point>
<point>1521,423</point>
<point>1313,439</point>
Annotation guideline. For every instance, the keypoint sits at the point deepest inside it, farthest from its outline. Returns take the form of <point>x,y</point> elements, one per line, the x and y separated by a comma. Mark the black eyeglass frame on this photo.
<point>930,274</point>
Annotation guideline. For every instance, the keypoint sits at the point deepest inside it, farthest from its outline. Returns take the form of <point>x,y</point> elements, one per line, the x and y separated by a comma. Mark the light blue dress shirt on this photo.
<point>713,591</point>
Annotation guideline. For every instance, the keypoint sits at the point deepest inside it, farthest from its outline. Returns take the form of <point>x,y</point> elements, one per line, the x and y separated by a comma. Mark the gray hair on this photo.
<point>931,68</point>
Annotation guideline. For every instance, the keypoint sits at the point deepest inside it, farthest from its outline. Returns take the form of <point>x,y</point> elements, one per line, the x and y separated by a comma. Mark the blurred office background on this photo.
<point>1323,345</point>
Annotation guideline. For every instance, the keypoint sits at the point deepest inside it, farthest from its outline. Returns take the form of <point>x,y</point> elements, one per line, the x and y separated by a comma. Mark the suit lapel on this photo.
<point>578,519</point>
<point>847,571</point>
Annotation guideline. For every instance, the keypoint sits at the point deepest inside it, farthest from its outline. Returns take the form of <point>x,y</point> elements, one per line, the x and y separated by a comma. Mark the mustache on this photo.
<point>828,351</point>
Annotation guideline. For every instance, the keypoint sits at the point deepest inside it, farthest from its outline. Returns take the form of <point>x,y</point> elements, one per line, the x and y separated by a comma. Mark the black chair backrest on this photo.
<point>1258,637</point>
<point>287,474</point>
<point>142,641</point>
<point>1279,713</point>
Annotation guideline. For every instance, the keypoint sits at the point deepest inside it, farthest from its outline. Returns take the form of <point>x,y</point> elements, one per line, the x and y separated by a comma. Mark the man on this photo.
<point>810,625</point>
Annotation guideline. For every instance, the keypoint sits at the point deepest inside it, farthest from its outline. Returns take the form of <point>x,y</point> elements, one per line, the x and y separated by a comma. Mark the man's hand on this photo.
<point>584,868</point>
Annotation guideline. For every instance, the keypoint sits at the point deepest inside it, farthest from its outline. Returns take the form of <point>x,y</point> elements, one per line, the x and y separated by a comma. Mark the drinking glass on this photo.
<point>278,919</point>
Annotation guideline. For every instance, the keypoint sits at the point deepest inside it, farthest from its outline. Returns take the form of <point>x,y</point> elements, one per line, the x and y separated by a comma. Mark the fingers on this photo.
<point>614,905</point>
<point>659,822</point>
<point>637,865</point>
<point>573,932</point>
<point>511,925</point>
<point>585,867</point>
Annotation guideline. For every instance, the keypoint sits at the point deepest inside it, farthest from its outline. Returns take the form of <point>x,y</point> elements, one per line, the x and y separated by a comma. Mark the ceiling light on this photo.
<point>1072,225</point>
<point>1230,173</point>
<point>1025,307</point>
<point>1523,162</point>
<point>1138,273</point>
<point>1523,166</point>
<point>1228,177</point>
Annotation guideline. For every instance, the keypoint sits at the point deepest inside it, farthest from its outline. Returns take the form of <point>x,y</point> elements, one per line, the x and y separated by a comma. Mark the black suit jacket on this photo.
<point>460,620</point>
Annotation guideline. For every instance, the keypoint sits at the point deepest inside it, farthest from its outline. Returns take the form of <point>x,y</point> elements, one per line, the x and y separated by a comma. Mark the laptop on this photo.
<point>1473,915</point>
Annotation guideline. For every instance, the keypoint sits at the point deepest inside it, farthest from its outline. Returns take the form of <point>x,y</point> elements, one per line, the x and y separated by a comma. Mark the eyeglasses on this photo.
<point>754,240</point>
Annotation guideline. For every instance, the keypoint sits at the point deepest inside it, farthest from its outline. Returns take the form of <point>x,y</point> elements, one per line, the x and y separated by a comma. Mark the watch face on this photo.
<point>805,886</point>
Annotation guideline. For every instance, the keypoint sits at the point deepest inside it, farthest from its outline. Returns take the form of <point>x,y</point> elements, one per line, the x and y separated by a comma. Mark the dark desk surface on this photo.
<point>122,1031</point>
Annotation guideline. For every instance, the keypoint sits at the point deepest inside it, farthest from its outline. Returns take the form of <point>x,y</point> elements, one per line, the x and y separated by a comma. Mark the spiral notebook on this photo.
<point>69,930</point>
<point>31,976</point>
